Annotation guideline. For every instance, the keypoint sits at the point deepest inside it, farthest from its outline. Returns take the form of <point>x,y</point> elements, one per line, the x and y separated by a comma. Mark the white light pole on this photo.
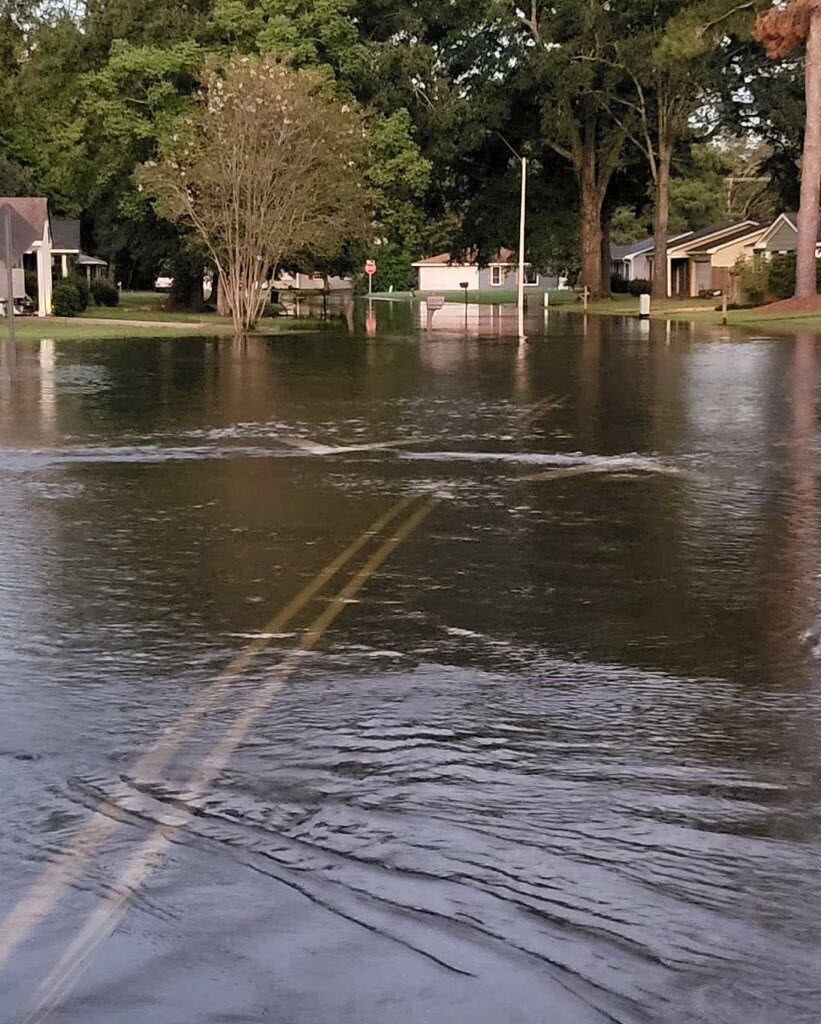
<point>522,215</point>
<point>521,296</point>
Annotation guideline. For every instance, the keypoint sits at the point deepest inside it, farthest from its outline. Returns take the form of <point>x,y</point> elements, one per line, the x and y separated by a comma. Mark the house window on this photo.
<point>531,276</point>
<point>496,277</point>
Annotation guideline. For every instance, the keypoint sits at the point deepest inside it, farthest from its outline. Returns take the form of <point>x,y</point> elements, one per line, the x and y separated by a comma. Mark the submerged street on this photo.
<point>412,677</point>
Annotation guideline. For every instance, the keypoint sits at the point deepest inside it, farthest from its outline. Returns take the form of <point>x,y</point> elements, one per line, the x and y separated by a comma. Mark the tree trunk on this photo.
<point>606,257</point>
<point>590,202</point>
<point>661,221</point>
<point>808,214</point>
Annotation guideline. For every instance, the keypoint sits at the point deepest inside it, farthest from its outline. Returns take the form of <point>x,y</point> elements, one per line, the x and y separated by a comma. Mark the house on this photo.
<point>630,262</point>
<point>781,238</point>
<point>442,274</point>
<point>299,281</point>
<point>697,261</point>
<point>67,255</point>
<point>38,256</point>
<point>701,261</point>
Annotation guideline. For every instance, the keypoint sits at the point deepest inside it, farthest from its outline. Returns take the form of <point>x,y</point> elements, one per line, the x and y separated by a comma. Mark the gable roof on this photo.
<point>622,252</point>
<point>689,243</point>
<point>33,208</point>
<point>502,257</point>
<point>65,233</point>
<point>729,238</point>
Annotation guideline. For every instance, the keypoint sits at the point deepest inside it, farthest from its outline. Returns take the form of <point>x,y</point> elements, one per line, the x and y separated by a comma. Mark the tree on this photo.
<point>267,163</point>
<point>781,30</point>
<point>668,57</point>
<point>572,40</point>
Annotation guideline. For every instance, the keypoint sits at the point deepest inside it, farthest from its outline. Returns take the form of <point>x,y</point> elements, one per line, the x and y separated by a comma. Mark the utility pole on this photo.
<point>522,214</point>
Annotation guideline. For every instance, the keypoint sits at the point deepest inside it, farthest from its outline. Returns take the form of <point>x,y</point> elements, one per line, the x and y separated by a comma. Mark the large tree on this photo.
<point>781,30</point>
<point>268,162</point>
<point>568,44</point>
<point>670,55</point>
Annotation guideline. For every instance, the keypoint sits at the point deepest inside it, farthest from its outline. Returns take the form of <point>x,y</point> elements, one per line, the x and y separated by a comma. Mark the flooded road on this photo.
<point>412,678</point>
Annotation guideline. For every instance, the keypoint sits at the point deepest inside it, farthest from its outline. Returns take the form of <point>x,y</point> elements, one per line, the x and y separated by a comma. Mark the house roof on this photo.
<point>33,208</point>
<point>65,234</point>
<point>718,232</point>
<point>727,239</point>
<point>90,261</point>
<point>502,257</point>
<point>622,252</point>
<point>791,217</point>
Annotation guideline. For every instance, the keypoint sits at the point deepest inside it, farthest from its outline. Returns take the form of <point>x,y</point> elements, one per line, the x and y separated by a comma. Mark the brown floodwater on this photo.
<point>549,748</point>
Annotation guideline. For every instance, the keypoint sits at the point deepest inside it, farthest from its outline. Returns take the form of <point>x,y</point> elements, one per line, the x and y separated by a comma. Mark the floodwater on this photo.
<point>549,748</point>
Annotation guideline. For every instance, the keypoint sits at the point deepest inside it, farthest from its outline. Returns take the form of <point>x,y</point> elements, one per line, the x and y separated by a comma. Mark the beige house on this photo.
<point>701,261</point>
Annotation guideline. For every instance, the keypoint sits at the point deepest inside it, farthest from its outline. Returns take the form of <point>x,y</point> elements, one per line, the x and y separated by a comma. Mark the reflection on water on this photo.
<point>559,761</point>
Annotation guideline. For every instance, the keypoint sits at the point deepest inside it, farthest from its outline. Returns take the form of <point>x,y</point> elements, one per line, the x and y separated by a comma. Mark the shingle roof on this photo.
<point>65,233</point>
<point>620,252</point>
<point>33,208</point>
<point>468,259</point>
<point>727,239</point>
<point>719,230</point>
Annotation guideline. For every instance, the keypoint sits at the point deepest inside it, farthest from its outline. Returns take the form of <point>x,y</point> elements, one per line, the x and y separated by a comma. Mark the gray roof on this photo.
<point>726,239</point>
<point>65,233</point>
<point>620,252</point>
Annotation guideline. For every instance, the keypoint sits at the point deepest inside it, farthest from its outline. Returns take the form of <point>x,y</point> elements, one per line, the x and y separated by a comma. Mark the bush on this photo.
<point>104,293</point>
<point>618,285</point>
<point>641,286</point>
<point>753,281</point>
<point>83,290</point>
<point>272,309</point>
<point>781,275</point>
<point>66,299</point>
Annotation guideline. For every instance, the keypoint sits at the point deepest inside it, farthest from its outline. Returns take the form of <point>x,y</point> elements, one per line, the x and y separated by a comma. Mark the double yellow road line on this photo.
<point>47,890</point>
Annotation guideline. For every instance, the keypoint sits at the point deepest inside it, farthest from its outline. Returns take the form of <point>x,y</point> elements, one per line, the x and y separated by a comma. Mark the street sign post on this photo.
<point>370,270</point>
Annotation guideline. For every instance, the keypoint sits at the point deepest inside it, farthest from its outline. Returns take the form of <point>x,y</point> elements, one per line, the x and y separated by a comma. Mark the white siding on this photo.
<point>447,279</point>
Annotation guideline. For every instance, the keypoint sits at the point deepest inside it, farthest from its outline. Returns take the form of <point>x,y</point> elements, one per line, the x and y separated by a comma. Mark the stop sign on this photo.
<point>370,267</point>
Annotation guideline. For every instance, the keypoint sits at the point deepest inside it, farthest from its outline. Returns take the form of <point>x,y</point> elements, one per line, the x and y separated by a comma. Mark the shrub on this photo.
<point>618,285</point>
<point>66,299</point>
<point>83,290</point>
<point>641,286</point>
<point>104,293</point>
<point>753,281</point>
<point>273,309</point>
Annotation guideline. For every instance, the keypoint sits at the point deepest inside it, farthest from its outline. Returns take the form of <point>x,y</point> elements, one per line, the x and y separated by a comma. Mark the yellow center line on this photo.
<point>102,921</point>
<point>46,890</point>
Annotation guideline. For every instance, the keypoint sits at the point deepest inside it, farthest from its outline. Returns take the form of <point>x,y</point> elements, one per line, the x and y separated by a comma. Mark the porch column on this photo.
<point>43,281</point>
<point>669,277</point>
<point>64,264</point>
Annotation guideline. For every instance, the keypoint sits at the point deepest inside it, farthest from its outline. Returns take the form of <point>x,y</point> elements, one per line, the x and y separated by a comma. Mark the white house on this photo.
<point>442,274</point>
<point>631,262</point>
<point>38,256</point>
<point>67,256</point>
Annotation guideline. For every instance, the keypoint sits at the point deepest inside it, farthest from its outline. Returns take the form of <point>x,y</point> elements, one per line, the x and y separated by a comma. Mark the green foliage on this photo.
<point>639,286</point>
<point>66,299</point>
<point>753,280</point>
<point>104,293</point>
<point>781,275</point>
<point>83,291</point>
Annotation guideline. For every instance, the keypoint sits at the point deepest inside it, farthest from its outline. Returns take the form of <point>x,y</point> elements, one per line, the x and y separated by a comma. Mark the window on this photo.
<point>531,276</point>
<point>496,277</point>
